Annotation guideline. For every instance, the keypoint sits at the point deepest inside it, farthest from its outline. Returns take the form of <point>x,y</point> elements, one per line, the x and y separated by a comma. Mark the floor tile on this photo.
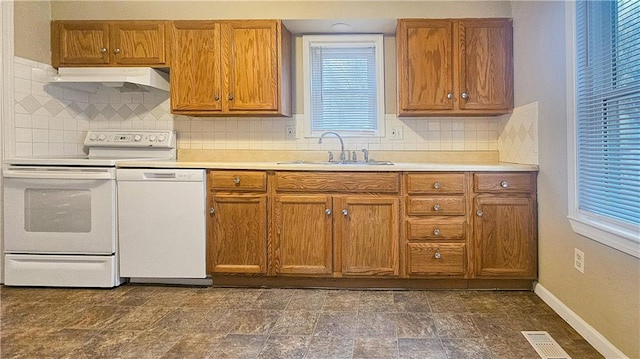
<point>330,347</point>
<point>451,325</point>
<point>413,348</point>
<point>466,348</point>
<point>295,323</point>
<point>239,346</point>
<point>415,325</point>
<point>376,324</point>
<point>285,347</point>
<point>375,348</point>
<point>336,324</point>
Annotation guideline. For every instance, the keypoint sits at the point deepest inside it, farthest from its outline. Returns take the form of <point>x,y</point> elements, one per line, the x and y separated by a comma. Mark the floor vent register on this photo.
<point>545,345</point>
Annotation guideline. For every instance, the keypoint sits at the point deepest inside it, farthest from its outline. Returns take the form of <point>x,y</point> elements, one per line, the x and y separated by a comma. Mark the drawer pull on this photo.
<point>212,211</point>
<point>437,255</point>
<point>437,185</point>
<point>327,211</point>
<point>236,180</point>
<point>479,213</point>
<point>436,208</point>
<point>103,50</point>
<point>504,184</point>
<point>436,232</point>
<point>345,212</point>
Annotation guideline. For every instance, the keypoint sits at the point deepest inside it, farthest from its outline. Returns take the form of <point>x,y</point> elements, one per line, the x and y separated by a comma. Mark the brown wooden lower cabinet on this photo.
<point>464,228</point>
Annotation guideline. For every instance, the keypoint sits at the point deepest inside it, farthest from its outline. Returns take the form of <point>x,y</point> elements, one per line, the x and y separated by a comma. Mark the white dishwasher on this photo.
<point>161,223</point>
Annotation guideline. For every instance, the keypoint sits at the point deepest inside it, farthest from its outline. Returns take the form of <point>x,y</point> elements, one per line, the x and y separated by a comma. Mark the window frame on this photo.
<point>619,235</point>
<point>377,40</point>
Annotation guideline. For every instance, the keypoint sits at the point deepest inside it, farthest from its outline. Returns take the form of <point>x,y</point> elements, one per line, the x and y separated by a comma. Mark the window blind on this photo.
<point>608,109</point>
<point>344,88</point>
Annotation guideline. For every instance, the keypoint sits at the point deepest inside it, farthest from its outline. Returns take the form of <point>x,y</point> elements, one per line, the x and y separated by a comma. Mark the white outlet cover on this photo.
<point>578,260</point>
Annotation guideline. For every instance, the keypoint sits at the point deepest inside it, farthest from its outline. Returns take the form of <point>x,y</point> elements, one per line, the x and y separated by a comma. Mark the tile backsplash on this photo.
<point>53,120</point>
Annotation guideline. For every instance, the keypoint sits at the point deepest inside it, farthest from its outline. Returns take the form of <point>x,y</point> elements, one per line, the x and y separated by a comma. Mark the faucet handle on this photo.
<point>366,154</point>
<point>330,156</point>
<point>354,157</point>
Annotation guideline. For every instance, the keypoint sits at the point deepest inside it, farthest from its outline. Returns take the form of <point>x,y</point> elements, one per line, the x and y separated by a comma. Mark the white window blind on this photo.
<point>344,84</point>
<point>608,112</point>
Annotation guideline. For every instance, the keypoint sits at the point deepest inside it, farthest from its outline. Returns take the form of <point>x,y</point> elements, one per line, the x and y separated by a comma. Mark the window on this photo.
<point>606,197</point>
<point>344,84</point>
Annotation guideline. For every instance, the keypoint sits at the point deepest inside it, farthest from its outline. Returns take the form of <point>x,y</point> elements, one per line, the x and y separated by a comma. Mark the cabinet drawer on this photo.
<point>435,183</point>
<point>503,182</point>
<point>437,258</point>
<point>337,182</point>
<point>238,181</point>
<point>436,206</point>
<point>421,229</point>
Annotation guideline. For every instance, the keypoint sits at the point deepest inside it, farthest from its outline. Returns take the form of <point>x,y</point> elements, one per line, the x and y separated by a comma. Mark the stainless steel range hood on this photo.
<point>125,79</point>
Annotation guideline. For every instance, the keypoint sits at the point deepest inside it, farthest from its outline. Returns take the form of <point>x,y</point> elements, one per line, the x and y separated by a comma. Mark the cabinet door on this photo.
<point>486,64</point>
<point>251,65</point>
<point>368,228</point>
<point>195,67</point>
<point>139,43</point>
<point>238,234</point>
<point>302,234</point>
<point>81,42</point>
<point>505,237</point>
<point>425,67</point>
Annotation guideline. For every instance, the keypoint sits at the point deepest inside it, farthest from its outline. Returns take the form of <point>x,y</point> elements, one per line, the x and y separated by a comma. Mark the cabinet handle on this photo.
<point>103,50</point>
<point>230,97</point>
<point>437,185</point>
<point>436,207</point>
<point>449,95</point>
<point>327,211</point>
<point>479,213</point>
<point>116,51</point>
<point>464,96</point>
<point>437,255</point>
<point>345,212</point>
<point>236,180</point>
<point>436,232</point>
<point>504,184</point>
<point>216,97</point>
<point>212,211</point>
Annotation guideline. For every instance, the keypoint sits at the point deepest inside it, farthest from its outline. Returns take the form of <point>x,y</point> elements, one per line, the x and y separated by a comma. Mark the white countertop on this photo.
<point>288,166</point>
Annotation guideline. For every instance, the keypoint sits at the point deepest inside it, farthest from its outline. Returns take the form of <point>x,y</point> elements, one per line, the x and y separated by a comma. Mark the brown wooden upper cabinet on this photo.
<point>109,43</point>
<point>461,67</point>
<point>239,67</point>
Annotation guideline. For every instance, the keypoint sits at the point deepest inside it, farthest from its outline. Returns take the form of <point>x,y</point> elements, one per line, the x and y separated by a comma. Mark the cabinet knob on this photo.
<point>103,50</point>
<point>345,212</point>
<point>437,255</point>
<point>436,207</point>
<point>236,180</point>
<point>327,211</point>
<point>216,97</point>
<point>230,97</point>
<point>437,185</point>
<point>504,184</point>
<point>464,95</point>
<point>116,51</point>
<point>479,213</point>
<point>212,211</point>
<point>449,95</point>
<point>436,232</point>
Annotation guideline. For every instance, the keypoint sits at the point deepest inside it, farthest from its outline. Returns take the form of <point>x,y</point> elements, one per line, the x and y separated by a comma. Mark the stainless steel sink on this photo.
<point>339,163</point>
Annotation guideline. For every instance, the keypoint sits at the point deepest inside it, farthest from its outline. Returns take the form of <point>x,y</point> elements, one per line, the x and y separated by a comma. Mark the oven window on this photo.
<point>57,210</point>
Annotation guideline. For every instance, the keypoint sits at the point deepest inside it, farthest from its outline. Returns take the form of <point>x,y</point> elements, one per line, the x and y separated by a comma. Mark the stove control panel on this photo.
<point>131,138</point>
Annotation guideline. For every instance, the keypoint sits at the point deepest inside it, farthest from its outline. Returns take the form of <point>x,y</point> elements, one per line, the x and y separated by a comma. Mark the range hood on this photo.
<point>125,79</point>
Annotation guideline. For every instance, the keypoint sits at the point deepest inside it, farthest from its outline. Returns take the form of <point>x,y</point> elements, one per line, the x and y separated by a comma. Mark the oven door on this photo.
<point>59,210</point>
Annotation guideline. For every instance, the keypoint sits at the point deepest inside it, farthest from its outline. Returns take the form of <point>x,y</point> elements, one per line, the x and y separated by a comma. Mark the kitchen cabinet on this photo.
<point>237,225</point>
<point>505,229</point>
<point>454,67</point>
<point>340,224</point>
<point>436,224</point>
<point>240,67</point>
<point>109,43</point>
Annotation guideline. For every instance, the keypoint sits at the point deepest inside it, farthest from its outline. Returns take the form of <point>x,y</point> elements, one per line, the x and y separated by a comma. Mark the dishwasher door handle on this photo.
<point>159,175</point>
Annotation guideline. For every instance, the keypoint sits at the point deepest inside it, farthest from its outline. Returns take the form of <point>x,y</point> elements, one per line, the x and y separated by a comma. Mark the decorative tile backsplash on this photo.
<point>53,120</point>
<point>518,140</point>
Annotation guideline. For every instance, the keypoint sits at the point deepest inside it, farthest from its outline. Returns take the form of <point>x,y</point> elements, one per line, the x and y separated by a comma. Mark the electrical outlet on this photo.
<point>396,133</point>
<point>578,260</point>
<point>290,132</point>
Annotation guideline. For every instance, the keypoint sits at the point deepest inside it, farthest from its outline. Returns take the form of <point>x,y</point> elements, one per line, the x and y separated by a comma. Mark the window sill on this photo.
<point>626,240</point>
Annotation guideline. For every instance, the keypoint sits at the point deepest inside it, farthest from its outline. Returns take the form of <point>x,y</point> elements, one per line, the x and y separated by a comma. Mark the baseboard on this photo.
<point>590,334</point>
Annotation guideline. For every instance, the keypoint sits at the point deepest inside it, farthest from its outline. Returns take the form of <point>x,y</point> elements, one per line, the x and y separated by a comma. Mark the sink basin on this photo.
<point>340,163</point>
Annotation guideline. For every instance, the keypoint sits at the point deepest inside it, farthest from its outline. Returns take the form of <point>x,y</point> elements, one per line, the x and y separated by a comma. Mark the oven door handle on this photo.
<point>99,174</point>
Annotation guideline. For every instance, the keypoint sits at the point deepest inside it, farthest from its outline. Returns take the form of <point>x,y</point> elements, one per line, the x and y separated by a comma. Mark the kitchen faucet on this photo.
<point>343,156</point>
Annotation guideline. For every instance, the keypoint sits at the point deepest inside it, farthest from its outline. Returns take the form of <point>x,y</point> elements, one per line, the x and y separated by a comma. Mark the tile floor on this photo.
<point>135,321</point>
